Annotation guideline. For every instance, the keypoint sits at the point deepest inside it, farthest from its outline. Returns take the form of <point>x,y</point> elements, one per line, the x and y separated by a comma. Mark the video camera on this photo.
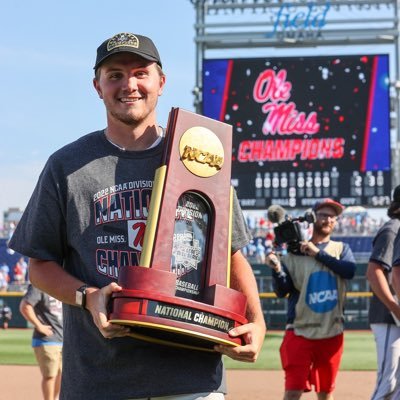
<point>288,231</point>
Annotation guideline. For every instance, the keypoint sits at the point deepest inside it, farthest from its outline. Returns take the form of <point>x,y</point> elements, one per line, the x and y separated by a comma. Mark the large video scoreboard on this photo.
<point>304,128</point>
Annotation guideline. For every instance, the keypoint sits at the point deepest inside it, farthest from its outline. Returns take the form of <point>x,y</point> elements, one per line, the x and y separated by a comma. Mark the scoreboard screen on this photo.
<point>304,128</point>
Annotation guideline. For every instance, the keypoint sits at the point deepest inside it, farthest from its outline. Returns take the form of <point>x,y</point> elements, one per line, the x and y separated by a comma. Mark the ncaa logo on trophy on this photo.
<point>179,295</point>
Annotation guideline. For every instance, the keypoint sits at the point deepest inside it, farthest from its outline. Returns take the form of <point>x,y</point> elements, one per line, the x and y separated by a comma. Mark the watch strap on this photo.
<point>82,290</point>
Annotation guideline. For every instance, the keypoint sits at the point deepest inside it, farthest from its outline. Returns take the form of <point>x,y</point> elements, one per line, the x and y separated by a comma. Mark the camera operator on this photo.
<point>314,278</point>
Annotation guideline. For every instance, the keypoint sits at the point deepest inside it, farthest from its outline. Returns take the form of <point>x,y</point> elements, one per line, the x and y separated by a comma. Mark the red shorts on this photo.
<point>310,362</point>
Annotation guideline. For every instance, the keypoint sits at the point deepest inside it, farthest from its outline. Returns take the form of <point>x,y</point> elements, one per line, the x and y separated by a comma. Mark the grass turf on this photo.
<point>359,351</point>
<point>15,347</point>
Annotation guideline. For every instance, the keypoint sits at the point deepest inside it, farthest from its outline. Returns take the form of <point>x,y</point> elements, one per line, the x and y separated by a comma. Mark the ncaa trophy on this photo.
<point>179,295</point>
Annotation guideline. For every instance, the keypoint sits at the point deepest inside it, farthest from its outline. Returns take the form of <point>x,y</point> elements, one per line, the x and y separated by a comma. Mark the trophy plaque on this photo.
<point>179,295</point>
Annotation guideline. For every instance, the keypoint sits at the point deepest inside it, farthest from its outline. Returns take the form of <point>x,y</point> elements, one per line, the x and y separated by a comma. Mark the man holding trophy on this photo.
<point>85,223</point>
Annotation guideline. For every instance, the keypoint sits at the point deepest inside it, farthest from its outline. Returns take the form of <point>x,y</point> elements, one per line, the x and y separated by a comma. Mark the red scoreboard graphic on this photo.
<point>304,128</point>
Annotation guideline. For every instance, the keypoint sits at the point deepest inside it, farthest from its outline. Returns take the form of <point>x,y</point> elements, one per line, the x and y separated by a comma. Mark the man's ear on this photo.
<point>97,87</point>
<point>162,84</point>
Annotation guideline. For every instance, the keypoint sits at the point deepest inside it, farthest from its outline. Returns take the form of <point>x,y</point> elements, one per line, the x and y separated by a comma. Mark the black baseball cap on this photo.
<point>128,43</point>
<point>329,203</point>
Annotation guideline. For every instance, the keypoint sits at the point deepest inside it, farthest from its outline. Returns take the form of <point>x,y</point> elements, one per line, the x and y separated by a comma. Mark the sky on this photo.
<point>47,52</point>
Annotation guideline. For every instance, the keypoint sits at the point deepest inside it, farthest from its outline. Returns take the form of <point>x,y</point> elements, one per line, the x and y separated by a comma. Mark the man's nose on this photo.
<point>130,83</point>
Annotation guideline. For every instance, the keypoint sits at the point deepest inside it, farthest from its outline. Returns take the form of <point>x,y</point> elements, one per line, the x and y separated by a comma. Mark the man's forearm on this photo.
<point>343,268</point>
<point>51,278</point>
<point>380,285</point>
<point>28,313</point>
<point>243,280</point>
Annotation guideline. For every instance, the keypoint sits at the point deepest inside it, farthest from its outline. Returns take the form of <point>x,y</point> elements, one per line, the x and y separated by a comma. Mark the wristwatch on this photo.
<point>80,296</point>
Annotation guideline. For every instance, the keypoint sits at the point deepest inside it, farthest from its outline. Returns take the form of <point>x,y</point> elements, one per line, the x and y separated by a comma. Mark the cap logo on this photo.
<point>123,40</point>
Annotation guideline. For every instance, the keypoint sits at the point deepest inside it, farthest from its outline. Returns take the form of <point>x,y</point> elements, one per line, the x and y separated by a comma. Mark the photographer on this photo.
<point>314,278</point>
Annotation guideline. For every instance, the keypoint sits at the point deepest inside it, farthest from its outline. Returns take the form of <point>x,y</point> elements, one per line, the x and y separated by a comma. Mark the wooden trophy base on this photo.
<point>156,315</point>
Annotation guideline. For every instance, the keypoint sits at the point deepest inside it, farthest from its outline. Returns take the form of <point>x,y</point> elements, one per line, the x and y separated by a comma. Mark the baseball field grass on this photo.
<point>359,351</point>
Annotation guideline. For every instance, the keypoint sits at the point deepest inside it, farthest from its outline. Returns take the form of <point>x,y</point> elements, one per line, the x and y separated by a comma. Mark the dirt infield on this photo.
<point>23,382</point>
<point>268,385</point>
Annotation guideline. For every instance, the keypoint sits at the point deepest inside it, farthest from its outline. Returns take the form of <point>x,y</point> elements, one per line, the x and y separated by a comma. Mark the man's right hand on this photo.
<point>96,303</point>
<point>396,314</point>
<point>272,260</point>
<point>45,330</point>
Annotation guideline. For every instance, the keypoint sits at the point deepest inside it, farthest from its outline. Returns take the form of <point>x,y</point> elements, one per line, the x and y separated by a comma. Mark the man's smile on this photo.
<point>129,99</point>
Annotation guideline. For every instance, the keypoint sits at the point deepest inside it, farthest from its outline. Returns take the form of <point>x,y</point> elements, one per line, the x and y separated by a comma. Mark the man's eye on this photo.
<point>115,76</point>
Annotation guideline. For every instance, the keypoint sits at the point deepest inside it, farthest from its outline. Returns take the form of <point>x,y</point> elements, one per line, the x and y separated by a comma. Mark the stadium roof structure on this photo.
<point>233,24</point>
<point>250,24</point>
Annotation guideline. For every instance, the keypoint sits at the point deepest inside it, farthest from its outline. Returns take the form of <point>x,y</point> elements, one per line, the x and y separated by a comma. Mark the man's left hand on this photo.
<point>309,249</point>
<point>253,335</point>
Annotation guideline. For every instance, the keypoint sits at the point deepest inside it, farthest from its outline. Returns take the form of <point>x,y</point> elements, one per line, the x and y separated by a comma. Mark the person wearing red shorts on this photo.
<point>313,276</point>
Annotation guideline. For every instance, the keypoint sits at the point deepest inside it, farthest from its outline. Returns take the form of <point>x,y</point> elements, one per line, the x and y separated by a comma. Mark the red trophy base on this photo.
<point>154,313</point>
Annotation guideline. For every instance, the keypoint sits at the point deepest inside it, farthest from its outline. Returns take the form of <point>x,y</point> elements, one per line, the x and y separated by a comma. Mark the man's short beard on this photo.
<point>319,230</point>
<point>125,119</point>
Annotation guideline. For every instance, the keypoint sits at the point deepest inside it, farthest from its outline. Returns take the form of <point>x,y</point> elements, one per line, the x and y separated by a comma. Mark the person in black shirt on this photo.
<point>384,309</point>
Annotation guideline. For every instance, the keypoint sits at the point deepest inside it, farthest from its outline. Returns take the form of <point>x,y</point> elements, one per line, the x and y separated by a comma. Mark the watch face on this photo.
<point>79,298</point>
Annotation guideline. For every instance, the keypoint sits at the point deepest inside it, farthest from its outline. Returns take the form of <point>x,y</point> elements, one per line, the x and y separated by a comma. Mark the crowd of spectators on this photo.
<point>358,224</point>
<point>14,278</point>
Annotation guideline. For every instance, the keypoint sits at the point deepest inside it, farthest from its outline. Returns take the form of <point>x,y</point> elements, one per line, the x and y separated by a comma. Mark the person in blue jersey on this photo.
<point>314,279</point>
<point>45,314</point>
